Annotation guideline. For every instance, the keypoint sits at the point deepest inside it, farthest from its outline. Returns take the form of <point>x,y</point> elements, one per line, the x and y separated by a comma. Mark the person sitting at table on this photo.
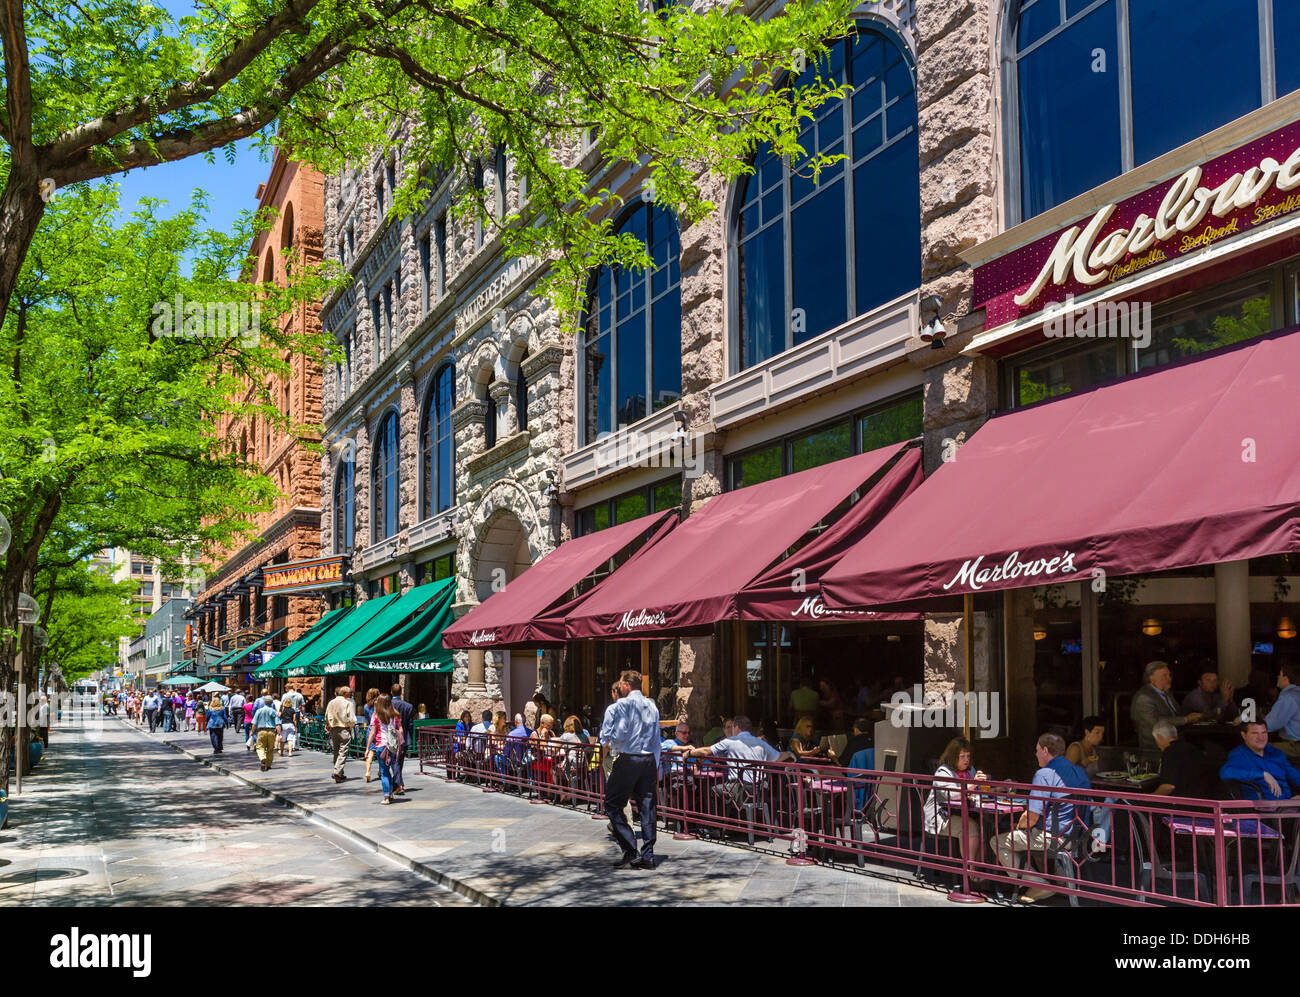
<point>718,731</point>
<point>1284,718</point>
<point>1262,771</point>
<point>1183,771</point>
<point>740,745</point>
<point>1212,698</point>
<point>803,743</point>
<point>1047,819</point>
<point>1152,702</point>
<point>862,739</point>
<point>943,804</point>
<point>671,749</point>
<point>1083,752</point>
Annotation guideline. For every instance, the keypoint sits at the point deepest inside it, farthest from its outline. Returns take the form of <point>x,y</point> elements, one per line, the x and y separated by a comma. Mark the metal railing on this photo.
<point>1085,844</point>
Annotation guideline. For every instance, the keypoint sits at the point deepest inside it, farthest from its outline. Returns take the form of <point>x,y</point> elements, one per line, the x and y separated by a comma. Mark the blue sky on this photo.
<point>232,188</point>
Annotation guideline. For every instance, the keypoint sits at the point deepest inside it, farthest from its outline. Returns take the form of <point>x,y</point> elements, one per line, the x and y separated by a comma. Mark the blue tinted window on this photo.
<point>871,197</point>
<point>1058,91</point>
<point>1286,29</point>
<point>344,515</point>
<point>1172,105</point>
<point>384,479</point>
<point>637,315</point>
<point>436,442</point>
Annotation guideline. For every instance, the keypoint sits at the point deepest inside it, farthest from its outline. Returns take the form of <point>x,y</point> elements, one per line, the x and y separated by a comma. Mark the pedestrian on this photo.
<point>340,720</point>
<point>288,726</point>
<point>235,708</point>
<point>369,708</point>
<point>178,709</point>
<point>406,712</point>
<point>250,708</point>
<point>631,730</point>
<point>201,713</point>
<point>43,722</point>
<point>189,711</point>
<point>383,740</point>
<point>216,724</point>
<point>266,728</point>
<point>166,707</point>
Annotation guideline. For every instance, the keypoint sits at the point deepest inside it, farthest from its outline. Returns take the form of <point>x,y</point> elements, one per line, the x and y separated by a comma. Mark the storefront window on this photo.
<point>821,447</point>
<point>1236,315</point>
<point>1061,373</point>
<point>893,423</point>
<point>629,506</point>
<point>755,468</point>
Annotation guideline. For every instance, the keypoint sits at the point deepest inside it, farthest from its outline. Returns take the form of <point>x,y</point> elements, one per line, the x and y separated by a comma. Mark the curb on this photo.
<point>413,865</point>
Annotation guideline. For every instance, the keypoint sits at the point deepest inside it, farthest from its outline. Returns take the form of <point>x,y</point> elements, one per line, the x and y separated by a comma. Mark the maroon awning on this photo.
<point>791,590</point>
<point>694,576</point>
<point>1192,464</point>
<point>528,611</point>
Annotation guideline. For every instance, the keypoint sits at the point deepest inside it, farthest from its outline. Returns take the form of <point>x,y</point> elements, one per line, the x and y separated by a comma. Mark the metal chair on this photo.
<point>1152,868</point>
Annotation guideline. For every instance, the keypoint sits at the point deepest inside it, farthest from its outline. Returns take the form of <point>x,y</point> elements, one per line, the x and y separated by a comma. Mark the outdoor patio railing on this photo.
<point>1098,846</point>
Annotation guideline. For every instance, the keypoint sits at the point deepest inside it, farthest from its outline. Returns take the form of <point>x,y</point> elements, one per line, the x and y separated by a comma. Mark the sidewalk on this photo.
<point>497,849</point>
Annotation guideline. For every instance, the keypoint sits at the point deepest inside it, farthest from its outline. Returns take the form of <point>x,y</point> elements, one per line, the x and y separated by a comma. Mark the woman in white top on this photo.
<point>943,804</point>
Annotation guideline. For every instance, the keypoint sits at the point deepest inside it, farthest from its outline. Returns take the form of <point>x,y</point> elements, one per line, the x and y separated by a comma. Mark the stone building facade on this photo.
<point>290,531</point>
<point>942,155</point>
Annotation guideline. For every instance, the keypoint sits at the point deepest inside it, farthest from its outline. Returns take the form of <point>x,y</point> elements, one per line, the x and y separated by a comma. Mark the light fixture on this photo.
<point>1151,627</point>
<point>6,535</point>
<point>551,492</point>
<point>28,610</point>
<point>1040,633</point>
<point>1286,628</point>
<point>932,331</point>
<point>893,638</point>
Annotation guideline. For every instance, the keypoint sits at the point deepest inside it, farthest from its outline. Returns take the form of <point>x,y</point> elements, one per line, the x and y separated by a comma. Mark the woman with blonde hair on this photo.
<point>371,695</point>
<point>499,731</point>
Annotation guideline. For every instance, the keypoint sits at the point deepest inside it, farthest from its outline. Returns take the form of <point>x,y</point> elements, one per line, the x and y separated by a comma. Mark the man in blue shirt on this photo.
<point>681,739</point>
<point>1048,817</point>
<point>1284,717</point>
<point>517,739</point>
<point>1262,771</point>
<point>630,730</point>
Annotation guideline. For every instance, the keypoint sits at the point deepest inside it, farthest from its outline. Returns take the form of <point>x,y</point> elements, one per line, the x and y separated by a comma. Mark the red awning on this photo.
<point>791,590</point>
<point>524,613</point>
<point>1192,464</point>
<point>694,577</point>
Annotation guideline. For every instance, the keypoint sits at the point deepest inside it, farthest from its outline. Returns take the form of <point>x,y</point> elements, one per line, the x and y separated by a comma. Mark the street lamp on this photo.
<point>28,614</point>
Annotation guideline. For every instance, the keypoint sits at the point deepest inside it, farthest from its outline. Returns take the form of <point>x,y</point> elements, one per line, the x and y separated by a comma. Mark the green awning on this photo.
<point>309,662</point>
<point>281,661</point>
<point>417,645</point>
<point>393,613</point>
<point>229,657</point>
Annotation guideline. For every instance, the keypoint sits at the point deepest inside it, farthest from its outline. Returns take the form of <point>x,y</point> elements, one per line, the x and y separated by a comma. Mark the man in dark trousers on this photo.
<point>630,730</point>
<point>407,712</point>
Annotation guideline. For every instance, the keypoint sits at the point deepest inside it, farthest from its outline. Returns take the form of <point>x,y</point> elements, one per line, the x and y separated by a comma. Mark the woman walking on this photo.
<point>201,713</point>
<point>383,741</point>
<point>190,706</point>
<point>249,709</point>
<point>216,723</point>
<point>369,708</point>
<point>288,727</point>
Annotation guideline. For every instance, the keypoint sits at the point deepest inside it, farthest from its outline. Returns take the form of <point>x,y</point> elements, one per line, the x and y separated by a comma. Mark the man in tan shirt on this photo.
<point>340,722</point>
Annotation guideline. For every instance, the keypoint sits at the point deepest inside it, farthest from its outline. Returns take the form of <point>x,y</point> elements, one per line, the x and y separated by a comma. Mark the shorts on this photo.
<point>289,735</point>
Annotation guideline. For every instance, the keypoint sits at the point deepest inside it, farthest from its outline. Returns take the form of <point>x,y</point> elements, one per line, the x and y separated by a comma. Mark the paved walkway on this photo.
<point>498,849</point>
<point>114,818</point>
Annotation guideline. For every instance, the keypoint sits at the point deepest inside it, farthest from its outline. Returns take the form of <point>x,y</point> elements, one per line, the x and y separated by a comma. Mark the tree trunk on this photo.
<point>21,209</point>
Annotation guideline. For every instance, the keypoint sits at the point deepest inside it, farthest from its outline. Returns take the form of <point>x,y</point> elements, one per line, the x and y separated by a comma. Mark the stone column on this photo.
<point>1232,620</point>
<point>408,451</point>
<point>503,393</point>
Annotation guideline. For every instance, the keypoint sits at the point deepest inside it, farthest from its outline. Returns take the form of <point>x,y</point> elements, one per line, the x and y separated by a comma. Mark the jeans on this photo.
<point>167,721</point>
<point>216,735</point>
<point>385,772</point>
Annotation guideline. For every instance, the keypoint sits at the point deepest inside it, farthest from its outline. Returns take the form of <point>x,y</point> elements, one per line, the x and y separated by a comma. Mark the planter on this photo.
<point>34,752</point>
<point>4,808</point>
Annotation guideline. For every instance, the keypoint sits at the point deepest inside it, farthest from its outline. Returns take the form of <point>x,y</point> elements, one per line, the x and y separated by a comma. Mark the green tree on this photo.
<point>101,86</point>
<point>85,613</point>
<point>106,409</point>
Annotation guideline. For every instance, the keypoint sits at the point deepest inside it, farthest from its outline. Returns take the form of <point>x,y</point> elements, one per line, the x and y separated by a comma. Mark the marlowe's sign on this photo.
<point>1248,187</point>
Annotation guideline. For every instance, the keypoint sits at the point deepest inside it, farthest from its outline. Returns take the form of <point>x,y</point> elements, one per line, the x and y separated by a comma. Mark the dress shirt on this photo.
<point>264,717</point>
<point>1211,704</point>
<point>340,714</point>
<point>1062,815</point>
<point>744,746</point>
<point>1248,768</point>
<point>1284,717</point>
<point>631,726</point>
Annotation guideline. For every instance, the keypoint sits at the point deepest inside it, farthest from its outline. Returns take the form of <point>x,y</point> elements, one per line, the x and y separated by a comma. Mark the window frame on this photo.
<point>1009,59</point>
<point>378,466</point>
<point>345,513</point>
<point>611,504</point>
<point>431,417</point>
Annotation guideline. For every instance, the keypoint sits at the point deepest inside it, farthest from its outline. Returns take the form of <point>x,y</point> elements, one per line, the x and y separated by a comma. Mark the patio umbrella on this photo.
<point>214,687</point>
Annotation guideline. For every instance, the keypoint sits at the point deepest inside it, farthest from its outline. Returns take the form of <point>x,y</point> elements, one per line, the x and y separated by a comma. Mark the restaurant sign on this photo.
<point>305,576</point>
<point>1239,191</point>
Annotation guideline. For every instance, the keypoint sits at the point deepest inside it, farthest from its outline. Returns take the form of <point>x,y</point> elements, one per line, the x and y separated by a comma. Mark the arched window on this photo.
<point>521,395</point>
<point>344,507</point>
<point>268,268</point>
<point>632,342</point>
<point>384,482</point>
<point>437,457</point>
<point>286,232</point>
<point>810,256</point>
<point>490,423</point>
<point>1097,88</point>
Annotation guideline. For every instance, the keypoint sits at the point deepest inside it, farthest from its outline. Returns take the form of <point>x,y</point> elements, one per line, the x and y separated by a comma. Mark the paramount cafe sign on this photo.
<point>1202,206</point>
<point>305,576</point>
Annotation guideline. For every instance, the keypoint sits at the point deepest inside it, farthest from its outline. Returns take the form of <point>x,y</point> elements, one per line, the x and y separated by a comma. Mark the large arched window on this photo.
<point>344,506</point>
<point>810,256</point>
<point>436,445</point>
<point>1097,87</point>
<point>632,343</point>
<point>384,483</point>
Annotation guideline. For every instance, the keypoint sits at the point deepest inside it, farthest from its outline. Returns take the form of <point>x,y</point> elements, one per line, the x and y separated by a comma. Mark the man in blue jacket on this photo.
<point>407,712</point>
<point>1263,771</point>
